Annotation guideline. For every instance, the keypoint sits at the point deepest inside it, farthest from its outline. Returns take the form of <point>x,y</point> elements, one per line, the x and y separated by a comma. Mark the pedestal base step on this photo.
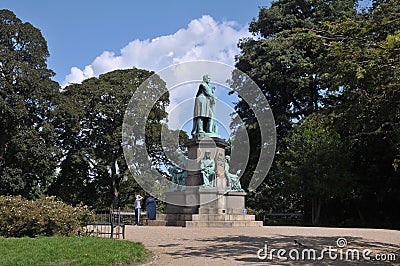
<point>223,220</point>
<point>223,217</point>
<point>223,224</point>
<point>206,220</point>
<point>156,223</point>
<point>171,219</point>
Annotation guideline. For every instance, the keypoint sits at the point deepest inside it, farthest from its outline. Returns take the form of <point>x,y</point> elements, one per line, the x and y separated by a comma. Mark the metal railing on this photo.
<point>107,223</point>
<point>282,218</point>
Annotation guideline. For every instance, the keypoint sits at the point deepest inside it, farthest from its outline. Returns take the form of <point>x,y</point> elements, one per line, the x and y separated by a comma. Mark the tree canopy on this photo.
<point>68,142</point>
<point>331,75</point>
<point>90,122</point>
<point>28,97</point>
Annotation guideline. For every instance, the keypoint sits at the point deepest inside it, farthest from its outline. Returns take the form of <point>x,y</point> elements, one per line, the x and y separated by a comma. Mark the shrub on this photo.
<point>44,217</point>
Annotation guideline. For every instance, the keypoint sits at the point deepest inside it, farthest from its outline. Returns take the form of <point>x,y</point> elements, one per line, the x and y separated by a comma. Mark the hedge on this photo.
<point>44,217</point>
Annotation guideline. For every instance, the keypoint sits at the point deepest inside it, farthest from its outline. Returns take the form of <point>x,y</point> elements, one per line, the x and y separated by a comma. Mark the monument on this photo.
<point>206,192</point>
<point>204,123</point>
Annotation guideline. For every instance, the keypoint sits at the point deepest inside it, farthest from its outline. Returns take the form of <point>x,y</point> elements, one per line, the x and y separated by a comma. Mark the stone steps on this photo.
<point>160,220</point>
<point>170,219</point>
<point>177,219</point>
<point>161,216</point>
<point>223,217</point>
<point>223,224</point>
<point>223,220</point>
<point>176,223</point>
<point>156,223</point>
<point>206,220</point>
<point>178,216</point>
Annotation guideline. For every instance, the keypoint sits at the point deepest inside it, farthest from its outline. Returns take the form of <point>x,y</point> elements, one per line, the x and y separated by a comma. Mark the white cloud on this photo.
<point>202,39</point>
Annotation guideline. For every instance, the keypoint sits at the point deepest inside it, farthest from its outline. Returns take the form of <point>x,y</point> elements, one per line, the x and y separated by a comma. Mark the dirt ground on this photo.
<point>272,245</point>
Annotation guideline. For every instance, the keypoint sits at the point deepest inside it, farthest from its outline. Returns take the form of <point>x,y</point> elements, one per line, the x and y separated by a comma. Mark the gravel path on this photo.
<point>233,246</point>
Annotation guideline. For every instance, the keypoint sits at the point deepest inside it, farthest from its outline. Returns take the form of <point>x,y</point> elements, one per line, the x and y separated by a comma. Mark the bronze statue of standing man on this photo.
<point>204,123</point>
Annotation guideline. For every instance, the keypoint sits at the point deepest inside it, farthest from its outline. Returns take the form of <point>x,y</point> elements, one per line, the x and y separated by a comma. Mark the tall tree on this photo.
<point>90,128</point>
<point>28,150</point>
<point>316,166</point>
<point>363,61</point>
<point>283,61</point>
<point>352,70</point>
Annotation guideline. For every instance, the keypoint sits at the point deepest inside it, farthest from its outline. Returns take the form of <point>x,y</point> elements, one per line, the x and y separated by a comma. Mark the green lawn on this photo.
<point>71,251</point>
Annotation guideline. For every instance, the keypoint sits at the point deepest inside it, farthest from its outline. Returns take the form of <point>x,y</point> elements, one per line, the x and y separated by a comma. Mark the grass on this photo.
<point>71,251</point>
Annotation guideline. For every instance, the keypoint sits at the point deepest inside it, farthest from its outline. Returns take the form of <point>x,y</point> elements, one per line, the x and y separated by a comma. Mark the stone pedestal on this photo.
<point>196,151</point>
<point>226,209</point>
<point>214,202</point>
<point>211,201</point>
<point>187,203</point>
<point>210,206</point>
<point>235,202</point>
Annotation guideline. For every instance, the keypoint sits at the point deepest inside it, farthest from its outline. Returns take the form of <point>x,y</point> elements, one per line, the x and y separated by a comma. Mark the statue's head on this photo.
<point>207,153</point>
<point>206,78</point>
<point>227,158</point>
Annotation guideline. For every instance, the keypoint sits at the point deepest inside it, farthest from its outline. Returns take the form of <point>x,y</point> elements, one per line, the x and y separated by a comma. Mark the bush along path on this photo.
<point>43,217</point>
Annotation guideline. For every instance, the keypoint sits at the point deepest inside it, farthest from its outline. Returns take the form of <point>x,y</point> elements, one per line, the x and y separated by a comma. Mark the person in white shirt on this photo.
<point>137,209</point>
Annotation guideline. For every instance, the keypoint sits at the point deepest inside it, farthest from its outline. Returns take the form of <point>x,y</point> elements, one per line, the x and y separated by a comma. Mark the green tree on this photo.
<point>349,63</point>
<point>363,61</point>
<point>28,96</point>
<point>90,127</point>
<point>316,166</point>
<point>284,62</point>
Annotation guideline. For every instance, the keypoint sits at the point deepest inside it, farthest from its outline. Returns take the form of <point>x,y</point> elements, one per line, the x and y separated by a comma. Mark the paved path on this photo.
<point>232,246</point>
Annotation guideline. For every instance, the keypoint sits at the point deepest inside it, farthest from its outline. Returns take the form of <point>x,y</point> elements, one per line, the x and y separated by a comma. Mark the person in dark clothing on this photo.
<point>151,205</point>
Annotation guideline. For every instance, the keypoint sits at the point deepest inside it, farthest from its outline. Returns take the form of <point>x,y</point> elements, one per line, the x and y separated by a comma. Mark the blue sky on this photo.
<point>87,38</point>
<point>78,32</point>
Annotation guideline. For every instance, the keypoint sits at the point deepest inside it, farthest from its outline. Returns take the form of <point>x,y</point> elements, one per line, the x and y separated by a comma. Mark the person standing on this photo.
<point>151,205</point>
<point>137,209</point>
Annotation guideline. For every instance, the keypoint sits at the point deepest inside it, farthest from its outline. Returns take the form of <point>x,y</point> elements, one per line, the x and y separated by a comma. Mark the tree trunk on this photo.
<point>361,216</point>
<point>312,211</point>
<point>2,150</point>
<point>315,210</point>
<point>318,211</point>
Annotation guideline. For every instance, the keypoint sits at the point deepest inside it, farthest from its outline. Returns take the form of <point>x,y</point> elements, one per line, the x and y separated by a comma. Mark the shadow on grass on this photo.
<point>244,249</point>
